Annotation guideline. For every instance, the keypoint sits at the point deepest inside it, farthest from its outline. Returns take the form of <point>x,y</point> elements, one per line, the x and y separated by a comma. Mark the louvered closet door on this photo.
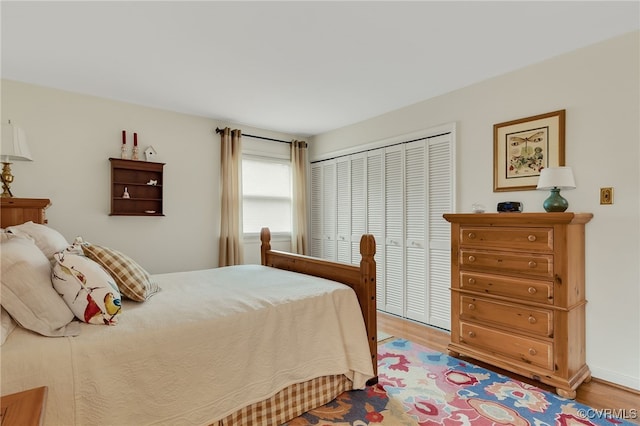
<point>343,220</point>
<point>316,210</point>
<point>441,200</point>
<point>329,210</point>
<point>416,265</point>
<point>394,230</point>
<point>358,189</point>
<point>399,194</point>
<point>375,216</point>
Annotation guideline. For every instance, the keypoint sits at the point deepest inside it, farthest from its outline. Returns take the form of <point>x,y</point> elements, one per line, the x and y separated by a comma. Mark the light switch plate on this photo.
<point>606,195</point>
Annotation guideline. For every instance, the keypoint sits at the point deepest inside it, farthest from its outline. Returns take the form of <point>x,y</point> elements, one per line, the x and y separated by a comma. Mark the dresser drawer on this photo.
<point>530,351</point>
<point>527,290</point>
<point>510,262</point>
<point>511,316</point>
<point>504,238</point>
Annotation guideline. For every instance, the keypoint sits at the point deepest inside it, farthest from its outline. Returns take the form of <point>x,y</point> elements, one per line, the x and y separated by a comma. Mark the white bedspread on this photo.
<point>208,344</point>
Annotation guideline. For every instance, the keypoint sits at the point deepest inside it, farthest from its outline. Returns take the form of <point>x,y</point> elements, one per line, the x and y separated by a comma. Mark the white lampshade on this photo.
<point>556,177</point>
<point>14,144</point>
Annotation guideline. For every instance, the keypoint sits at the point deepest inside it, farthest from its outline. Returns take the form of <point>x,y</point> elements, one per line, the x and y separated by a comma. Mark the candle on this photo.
<point>135,139</point>
<point>124,137</point>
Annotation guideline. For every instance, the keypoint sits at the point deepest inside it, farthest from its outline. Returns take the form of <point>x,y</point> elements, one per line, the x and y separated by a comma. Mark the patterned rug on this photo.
<point>418,386</point>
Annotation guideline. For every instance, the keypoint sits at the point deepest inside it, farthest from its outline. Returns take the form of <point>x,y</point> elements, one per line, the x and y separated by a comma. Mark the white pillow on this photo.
<point>6,236</point>
<point>8,325</point>
<point>27,293</point>
<point>47,239</point>
<point>86,288</point>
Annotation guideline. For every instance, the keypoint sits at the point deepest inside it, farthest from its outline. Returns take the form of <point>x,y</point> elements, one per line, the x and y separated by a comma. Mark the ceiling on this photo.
<point>297,67</point>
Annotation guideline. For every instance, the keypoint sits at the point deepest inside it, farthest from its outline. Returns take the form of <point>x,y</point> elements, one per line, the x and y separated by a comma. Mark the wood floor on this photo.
<point>597,394</point>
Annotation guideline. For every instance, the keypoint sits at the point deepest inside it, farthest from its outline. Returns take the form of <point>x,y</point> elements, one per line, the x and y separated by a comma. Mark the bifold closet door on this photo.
<point>375,217</point>
<point>316,210</point>
<point>441,196</point>
<point>323,210</point>
<point>397,193</point>
<point>415,223</point>
<point>343,210</point>
<point>358,189</point>
<point>394,286</point>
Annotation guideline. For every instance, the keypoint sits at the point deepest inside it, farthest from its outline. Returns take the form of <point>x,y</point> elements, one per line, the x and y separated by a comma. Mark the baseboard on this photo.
<point>611,378</point>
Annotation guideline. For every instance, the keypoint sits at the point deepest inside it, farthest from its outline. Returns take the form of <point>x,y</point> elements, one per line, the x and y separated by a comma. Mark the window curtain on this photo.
<point>230,249</point>
<point>299,199</point>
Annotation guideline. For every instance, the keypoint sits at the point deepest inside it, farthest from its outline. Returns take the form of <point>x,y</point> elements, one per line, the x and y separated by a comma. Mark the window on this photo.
<point>266,194</point>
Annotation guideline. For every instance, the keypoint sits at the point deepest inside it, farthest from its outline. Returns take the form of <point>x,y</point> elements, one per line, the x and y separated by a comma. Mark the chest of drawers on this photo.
<point>517,294</point>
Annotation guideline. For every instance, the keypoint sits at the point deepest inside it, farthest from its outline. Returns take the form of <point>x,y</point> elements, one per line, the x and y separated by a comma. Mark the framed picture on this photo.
<point>521,148</point>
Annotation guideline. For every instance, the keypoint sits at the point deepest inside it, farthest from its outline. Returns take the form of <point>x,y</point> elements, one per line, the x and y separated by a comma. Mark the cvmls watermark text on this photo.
<point>607,413</point>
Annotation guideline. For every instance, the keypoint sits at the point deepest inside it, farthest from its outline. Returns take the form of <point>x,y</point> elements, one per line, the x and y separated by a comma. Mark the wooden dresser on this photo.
<point>517,294</point>
<point>20,210</point>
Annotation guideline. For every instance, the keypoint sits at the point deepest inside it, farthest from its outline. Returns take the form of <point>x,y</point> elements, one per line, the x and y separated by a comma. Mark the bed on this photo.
<point>251,344</point>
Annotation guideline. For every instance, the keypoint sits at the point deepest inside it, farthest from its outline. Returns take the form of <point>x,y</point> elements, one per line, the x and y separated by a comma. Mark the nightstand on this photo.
<point>21,210</point>
<point>23,408</point>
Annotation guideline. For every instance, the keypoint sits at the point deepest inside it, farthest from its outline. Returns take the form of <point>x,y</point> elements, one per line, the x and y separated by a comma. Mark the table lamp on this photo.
<point>555,179</point>
<point>13,148</point>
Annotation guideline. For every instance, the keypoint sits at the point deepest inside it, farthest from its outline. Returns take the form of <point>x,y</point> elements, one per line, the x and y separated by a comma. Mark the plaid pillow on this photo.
<point>133,281</point>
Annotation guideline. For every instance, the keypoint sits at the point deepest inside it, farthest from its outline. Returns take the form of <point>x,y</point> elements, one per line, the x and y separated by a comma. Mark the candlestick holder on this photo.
<point>123,152</point>
<point>134,154</point>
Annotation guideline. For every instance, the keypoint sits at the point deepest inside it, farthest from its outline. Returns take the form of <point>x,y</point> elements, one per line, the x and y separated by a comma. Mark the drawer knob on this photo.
<point>472,334</point>
<point>472,280</point>
<point>472,258</point>
<point>471,235</point>
<point>471,306</point>
<point>532,290</point>
<point>532,319</point>
<point>532,264</point>
<point>532,351</point>
<point>531,238</point>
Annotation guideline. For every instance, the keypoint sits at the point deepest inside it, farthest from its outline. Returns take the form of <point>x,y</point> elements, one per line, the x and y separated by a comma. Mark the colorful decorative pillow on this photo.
<point>133,281</point>
<point>8,325</point>
<point>27,293</point>
<point>47,239</point>
<point>86,288</point>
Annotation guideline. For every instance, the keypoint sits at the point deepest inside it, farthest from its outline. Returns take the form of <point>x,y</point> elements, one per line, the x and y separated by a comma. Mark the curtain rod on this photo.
<point>219,130</point>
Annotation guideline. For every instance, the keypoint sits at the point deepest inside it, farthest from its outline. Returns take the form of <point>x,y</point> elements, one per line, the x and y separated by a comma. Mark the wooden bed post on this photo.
<point>265,238</point>
<point>367,297</point>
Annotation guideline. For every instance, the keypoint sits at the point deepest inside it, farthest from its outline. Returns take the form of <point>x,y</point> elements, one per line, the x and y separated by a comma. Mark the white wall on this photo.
<point>71,138</point>
<point>599,87</point>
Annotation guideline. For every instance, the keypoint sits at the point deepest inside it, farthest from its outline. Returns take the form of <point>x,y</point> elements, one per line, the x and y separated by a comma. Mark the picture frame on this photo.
<point>523,147</point>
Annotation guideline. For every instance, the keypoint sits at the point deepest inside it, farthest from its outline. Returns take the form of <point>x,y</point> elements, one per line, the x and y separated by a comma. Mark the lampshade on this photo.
<point>13,148</point>
<point>556,177</point>
<point>14,144</point>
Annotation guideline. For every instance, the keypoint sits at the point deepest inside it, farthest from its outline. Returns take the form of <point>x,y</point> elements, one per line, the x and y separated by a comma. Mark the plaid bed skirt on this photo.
<point>289,402</point>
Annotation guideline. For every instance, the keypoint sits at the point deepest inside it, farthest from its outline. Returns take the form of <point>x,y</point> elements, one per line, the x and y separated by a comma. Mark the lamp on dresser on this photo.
<point>14,148</point>
<point>555,179</point>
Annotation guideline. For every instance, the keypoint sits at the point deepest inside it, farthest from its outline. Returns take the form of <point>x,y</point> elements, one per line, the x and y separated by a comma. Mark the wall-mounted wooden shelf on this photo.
<point>145,198</point>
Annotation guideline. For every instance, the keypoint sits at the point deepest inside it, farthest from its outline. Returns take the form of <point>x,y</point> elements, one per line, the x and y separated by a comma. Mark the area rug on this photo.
<point>419,386</point>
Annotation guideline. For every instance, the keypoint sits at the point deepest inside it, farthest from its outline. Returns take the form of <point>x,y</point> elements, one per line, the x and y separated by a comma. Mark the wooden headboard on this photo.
<point>14,211</point>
